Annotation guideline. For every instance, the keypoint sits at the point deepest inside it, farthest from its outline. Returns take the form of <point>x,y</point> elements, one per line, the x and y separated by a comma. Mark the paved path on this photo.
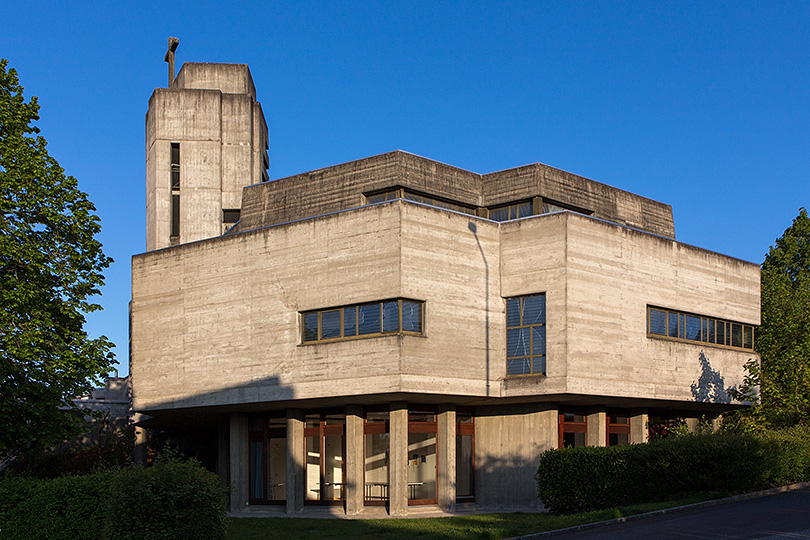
<point>782,515</point>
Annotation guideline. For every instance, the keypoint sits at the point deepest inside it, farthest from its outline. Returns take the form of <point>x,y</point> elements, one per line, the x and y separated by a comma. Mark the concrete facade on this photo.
<point>390,419</point>
<point>210,111</point>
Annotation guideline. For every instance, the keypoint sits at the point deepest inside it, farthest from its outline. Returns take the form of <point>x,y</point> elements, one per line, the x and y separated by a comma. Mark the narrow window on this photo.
<point>465,457</point>
<point>175,188</point>
<point>175,214</point>
<point>175,166</point>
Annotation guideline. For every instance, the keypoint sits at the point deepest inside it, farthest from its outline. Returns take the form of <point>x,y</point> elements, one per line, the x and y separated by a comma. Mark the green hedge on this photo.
<point>171,499</point>
<point>582,479</point>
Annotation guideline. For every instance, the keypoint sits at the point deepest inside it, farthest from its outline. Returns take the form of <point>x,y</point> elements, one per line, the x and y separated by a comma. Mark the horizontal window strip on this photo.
<point>395,316</point>
<point>401,193</point>
<point>679,325</point>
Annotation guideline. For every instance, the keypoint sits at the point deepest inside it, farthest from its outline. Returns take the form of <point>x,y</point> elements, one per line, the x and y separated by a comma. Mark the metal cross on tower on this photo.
<point>173,43</point>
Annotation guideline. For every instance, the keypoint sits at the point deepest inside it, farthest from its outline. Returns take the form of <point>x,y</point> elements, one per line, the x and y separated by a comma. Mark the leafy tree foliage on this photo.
<point>783,339</point>
<point>50,267</point>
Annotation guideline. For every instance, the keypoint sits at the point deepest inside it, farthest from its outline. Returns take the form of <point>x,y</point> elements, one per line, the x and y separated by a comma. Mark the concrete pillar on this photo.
<point>446,456</point>
<point>354,482</point>
<point>596,427</point>
<point>639,427</point>
<point>223,452</point>
<point>139,450</point>
<point>295,460</point>
<point>398,464</point>
<point>692,424</point>
<point>239,459</point>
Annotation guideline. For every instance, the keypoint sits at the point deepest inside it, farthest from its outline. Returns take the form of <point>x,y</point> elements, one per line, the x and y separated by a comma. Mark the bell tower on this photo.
<point>206,138</point>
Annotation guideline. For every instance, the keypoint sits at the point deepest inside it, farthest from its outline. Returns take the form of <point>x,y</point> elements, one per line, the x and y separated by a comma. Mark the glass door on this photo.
<point>268,460</point>
<point>325,448</point>
<point>377,448</point>
<point>422,458</point>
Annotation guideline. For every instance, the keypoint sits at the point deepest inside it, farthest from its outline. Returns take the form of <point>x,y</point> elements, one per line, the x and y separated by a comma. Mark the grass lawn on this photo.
<point>482,526</point>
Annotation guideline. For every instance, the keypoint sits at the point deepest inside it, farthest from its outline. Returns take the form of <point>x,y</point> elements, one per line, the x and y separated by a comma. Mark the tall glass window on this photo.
<point>465,457</point>
<point>377,451</point>
<point>526,335</point>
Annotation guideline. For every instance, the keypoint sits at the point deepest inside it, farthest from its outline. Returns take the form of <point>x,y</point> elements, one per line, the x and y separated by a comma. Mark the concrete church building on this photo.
<point>395,332</point>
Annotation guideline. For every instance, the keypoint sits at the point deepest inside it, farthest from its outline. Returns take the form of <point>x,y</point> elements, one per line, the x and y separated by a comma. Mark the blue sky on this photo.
<point>703,106</point>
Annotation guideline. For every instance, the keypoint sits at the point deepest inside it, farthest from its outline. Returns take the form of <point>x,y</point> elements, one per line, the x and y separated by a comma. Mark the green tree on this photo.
<point>783,340</point>
<point>50,267</point>
<point>780,386</point>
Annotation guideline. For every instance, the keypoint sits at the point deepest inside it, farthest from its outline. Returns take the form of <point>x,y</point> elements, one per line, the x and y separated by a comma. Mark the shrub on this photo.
<point>54,509</point>
<point>581,479</point>
<point>170,500</point>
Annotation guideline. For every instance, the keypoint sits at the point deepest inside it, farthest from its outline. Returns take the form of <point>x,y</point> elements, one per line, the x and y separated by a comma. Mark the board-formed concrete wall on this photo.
<point>341,187</point>
<point>212,112</point>
<point>508,444</point>
<point>216,322</point>
<point>599,279</point>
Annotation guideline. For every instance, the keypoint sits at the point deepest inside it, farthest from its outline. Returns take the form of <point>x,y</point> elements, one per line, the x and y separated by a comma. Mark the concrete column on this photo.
<point>446,456</point>
<point>398,464</point>
<point>223,452</point>
<point>596,427</point>
<point>354,482</point>
<point>639,427</point>
<point>139,450</point>
<point>239,459</point>
<point>295,460</point>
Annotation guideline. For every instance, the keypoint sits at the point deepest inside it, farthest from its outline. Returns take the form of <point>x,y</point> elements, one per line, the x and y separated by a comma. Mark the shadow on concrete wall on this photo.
<point>710,386</point>
<point>507,481</point>
<point>268,389</point>
<point>192,424</point>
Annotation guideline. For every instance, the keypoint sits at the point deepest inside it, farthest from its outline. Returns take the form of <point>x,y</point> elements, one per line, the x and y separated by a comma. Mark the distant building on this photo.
<point>395,331</point>
<point>109,410</point>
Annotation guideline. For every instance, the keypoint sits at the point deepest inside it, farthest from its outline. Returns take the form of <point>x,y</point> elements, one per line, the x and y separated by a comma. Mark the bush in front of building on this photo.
<point>575,480</point>
<point>170,500</point>
<point>54,508</point>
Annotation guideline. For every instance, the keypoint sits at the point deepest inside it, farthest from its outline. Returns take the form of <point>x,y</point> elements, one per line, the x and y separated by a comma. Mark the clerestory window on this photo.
<point>408,195</point>
<point>526,335</point>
